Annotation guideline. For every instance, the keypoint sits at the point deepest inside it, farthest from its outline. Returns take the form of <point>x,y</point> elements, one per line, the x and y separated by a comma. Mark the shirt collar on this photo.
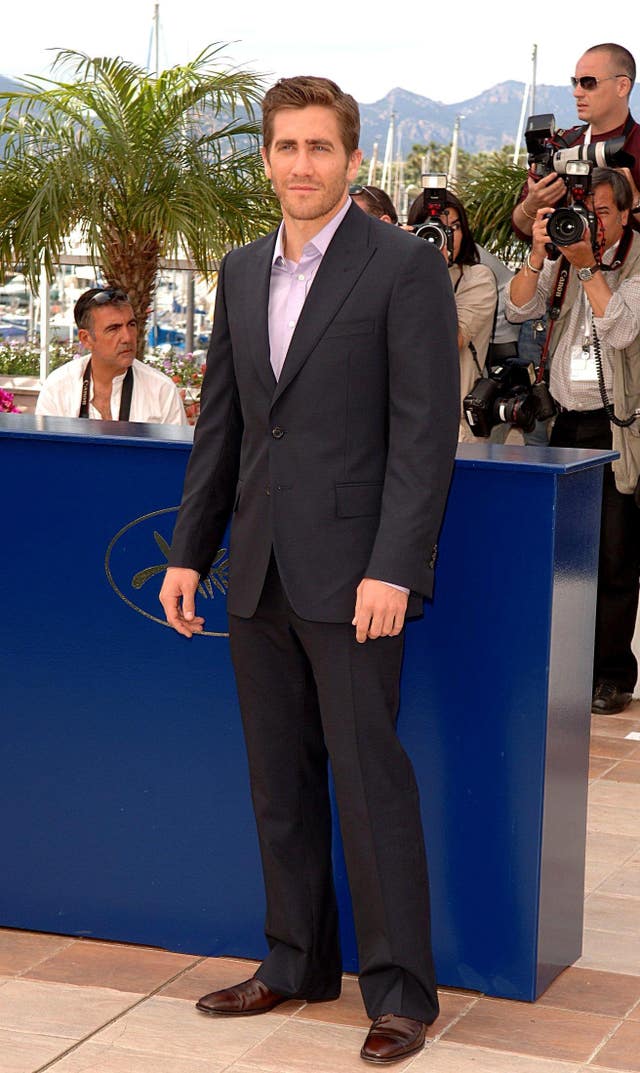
<point>319,244</point>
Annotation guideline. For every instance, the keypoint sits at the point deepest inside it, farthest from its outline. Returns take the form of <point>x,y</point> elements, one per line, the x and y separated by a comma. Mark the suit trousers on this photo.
<point>619,562</point>
<point>310,694</point>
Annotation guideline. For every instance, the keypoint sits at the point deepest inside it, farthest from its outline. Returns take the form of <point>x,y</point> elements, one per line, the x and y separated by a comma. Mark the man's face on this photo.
<point>610,220</point>
<point>112,337</point>
<point>602,106</point>
<point>307,163</point>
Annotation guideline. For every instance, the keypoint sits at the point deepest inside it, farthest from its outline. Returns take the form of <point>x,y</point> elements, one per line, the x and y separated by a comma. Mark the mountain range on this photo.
<point>489,120</point>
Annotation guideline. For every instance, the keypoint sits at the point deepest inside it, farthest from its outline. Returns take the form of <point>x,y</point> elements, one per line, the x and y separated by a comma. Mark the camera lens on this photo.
<point>433,233</point>
<point>566,226</point>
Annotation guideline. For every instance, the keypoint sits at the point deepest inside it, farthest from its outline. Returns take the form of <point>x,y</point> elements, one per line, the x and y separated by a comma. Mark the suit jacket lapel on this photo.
<point>258,279</point>
<point>347,255</point>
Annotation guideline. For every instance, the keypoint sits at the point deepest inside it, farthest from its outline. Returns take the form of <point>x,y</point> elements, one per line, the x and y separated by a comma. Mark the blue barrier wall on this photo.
<point>126,811</point>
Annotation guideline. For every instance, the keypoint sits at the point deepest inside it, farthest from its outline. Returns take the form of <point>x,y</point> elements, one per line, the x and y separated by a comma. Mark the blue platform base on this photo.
<point>126,811</point>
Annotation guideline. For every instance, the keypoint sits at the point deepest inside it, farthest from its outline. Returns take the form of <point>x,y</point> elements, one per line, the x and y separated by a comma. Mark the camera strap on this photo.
<point>125,396</point>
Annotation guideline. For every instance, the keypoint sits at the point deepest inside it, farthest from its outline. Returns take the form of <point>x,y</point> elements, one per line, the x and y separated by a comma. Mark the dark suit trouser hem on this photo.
<point>619,559</point>
<point>308,692</point>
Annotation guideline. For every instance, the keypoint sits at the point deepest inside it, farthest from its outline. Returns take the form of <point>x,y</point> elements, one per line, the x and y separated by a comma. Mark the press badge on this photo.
<point>583,365</point>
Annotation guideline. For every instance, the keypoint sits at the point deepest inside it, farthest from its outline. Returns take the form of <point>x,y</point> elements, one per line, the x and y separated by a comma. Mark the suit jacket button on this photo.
<point>268,490</point>
<point>277,432</point>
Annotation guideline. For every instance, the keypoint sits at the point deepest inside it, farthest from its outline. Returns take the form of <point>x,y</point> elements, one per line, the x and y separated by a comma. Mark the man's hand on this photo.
<point>380,610</point>
<point>546,191</point>
<point>177,597</point>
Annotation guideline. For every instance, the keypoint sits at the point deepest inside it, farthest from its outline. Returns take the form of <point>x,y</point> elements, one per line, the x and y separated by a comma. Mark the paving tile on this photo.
<point>91,1057</point>
<point>612,748</point>
<point>624,771</point>
<point>542,1031</point>
<point>622,795</point>
<point>22,1052</point>
<point>172,1028</point>
<point>20,950</point>
<point>611,818</point>
<point>625,880</point>
<point>443,1057</point>
<point>614,726</point>
<point>600,766</point>
<point>592,991</point>
<point>606,853</point>
<point>610,951</point>
<point>59,1009</point>
<point>118,966</point>
<point>622,1051</point>
<point>210,975</point>
<point>300,1046</point>
<point>349,1008</point>
<point>606,912</point>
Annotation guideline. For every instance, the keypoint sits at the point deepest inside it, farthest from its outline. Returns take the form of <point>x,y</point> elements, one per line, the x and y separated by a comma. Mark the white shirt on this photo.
<point>155,397</point>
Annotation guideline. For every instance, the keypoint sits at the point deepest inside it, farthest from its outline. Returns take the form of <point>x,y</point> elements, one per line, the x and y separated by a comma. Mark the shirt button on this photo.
<point>292,323</point>
<point>277,432</point>
<point>301,278</point>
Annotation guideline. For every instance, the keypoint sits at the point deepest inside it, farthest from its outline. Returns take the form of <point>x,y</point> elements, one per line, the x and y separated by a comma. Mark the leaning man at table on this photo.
<point>110,384</point>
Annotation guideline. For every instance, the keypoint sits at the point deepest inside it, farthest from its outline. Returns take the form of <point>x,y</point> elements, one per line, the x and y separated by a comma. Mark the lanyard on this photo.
<point>125,396</point>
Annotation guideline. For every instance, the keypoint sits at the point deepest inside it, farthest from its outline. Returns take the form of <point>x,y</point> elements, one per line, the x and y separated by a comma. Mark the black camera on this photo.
<point>508,395</point>
<point>434,228</point>
<point>569,223</point>
<point>547,152</point>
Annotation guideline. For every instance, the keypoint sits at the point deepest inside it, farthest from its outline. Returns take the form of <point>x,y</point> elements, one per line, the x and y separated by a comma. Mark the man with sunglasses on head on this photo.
<point>111,384</point>
<point>375,202</point>
<point>602,84</point>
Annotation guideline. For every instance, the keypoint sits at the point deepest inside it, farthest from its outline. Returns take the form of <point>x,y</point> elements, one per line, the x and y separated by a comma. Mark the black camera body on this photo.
<point>508,395</point>
<point>434,228</point>
<point>569,223</point>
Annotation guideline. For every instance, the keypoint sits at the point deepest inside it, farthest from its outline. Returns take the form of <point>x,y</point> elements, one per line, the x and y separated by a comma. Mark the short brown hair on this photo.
<point>305,90</point>
<point>621,59</point>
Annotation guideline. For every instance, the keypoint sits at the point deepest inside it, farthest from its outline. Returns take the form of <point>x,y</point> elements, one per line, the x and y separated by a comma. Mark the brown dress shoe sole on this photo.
<point>394,1058</point>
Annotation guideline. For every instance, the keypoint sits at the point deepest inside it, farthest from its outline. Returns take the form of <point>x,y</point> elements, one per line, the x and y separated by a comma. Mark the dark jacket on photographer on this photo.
<point>566,139</point>
<point>621,366</point>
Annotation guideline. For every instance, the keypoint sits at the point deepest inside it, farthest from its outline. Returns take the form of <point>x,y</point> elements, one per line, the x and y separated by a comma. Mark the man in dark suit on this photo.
<point>328,430</point>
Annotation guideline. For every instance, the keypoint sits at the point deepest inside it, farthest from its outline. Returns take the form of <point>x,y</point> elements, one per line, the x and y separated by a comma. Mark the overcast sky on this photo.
<point>446,59</point>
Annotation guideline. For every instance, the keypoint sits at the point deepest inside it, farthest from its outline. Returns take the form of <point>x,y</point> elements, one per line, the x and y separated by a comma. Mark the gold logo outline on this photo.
<point>125,599</point>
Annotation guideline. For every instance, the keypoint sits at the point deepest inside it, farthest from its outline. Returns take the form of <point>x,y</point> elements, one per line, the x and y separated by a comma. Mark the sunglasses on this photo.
<point>590,82</point>
<point>356,190</point>
<point>109,294</point>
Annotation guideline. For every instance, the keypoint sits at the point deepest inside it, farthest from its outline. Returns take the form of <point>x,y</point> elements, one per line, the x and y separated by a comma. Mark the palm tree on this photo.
<point>146,166</point>
<point>489,196</point>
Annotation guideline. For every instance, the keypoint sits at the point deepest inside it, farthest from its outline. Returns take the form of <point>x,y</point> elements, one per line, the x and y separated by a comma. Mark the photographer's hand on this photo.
<point>525,282</point>
<point>543,192</point>
<point>581,255</point>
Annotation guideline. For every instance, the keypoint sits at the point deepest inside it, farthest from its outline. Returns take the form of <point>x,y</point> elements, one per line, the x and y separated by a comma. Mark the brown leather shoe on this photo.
<point>391,1038</point>
<point>251,996</point>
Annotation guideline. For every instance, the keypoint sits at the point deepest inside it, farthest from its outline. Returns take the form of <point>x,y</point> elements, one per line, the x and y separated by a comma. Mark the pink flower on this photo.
<point>6,403</point>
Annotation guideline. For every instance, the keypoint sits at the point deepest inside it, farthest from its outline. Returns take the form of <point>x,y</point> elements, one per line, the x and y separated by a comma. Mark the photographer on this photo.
<point>601,87</point>
<point>594,295</point>
<point>475,292</point>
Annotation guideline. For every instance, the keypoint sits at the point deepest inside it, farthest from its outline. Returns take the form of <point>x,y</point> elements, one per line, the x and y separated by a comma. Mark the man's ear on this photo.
<point>355,160</point>
<point>84,337</point>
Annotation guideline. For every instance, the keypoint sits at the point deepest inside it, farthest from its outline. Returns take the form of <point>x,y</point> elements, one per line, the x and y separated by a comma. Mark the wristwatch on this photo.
<point>585,274</point>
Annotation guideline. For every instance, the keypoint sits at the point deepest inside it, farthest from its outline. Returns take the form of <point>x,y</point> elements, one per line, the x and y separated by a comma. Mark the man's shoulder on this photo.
<point>70,371</point>
<point>151,375</point>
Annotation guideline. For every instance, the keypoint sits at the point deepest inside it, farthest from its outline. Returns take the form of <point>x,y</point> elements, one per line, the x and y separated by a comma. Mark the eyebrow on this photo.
<point>306,141</point>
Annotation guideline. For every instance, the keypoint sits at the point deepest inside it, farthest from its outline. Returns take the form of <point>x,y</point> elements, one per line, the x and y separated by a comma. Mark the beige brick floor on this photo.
<point>82,1006</point>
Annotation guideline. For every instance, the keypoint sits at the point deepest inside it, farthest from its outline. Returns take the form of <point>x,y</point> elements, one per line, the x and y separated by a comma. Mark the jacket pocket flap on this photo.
<point>349,327</point>
<point>358,500</point>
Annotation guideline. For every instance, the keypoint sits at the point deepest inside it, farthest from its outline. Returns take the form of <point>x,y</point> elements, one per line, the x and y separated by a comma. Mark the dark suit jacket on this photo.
<point>343,465</point>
